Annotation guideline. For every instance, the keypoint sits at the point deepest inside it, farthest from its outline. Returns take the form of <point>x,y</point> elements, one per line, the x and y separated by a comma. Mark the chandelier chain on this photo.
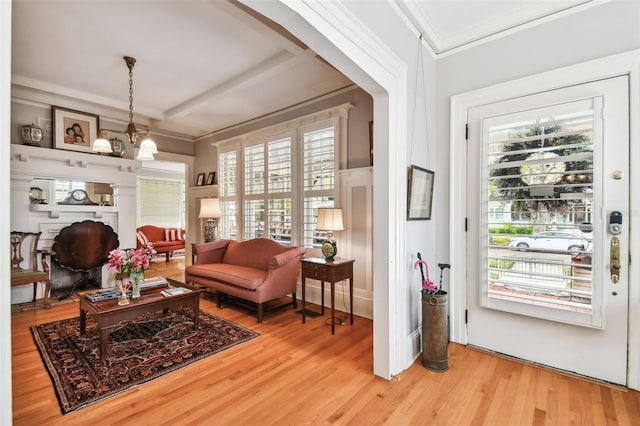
<point>131,95</point>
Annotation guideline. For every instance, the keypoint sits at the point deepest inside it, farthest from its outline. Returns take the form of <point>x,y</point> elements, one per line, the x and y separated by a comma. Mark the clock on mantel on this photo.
<point>78,197</point>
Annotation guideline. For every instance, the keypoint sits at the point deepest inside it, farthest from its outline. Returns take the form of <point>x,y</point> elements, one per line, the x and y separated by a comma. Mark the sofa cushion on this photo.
<point>241,276</point>
<point>172,245</point>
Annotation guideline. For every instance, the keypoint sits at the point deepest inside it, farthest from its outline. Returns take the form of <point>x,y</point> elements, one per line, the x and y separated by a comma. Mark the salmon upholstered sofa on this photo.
<point>257,270</point>
<point>164,240</point>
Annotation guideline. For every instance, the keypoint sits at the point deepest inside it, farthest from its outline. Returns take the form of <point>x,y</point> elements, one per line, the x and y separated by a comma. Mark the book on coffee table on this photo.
<point>153,282</point>
<point>174,291</point>
<point>105,294</point>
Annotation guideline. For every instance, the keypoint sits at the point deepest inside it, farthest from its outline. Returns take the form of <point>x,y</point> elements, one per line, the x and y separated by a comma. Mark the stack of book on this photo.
<point>153,282</point>
<point>104,294</point>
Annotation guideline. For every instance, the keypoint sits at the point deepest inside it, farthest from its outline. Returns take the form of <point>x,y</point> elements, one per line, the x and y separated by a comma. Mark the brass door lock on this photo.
<point>615,260</point>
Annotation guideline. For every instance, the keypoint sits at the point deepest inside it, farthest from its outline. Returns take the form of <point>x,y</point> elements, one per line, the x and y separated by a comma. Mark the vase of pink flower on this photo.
<point>131,263</point>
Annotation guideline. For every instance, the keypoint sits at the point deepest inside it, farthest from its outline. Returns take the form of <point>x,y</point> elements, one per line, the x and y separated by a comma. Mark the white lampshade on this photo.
<point>209,208</point>
<point>330,219</point>
<point>102,146</point>
<point>147,149</point>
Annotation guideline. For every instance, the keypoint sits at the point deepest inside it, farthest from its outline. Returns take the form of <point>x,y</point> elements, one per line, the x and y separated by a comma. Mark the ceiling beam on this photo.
<point>260,72</point>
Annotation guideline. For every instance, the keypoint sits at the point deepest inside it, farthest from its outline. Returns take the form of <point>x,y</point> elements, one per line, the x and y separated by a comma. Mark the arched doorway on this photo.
<point>322,26</point>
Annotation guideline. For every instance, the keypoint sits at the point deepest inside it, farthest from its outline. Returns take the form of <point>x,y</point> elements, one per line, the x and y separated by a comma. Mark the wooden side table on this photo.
<point>319,269</point>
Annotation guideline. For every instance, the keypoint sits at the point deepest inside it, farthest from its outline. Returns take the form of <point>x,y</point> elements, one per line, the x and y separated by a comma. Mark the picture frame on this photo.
<point>211,177</point>
<point>420,193</point>
<point>200,179</point>
<point>74,130</point>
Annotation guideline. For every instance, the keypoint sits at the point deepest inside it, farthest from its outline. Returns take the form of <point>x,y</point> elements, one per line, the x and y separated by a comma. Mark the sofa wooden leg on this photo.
<point>167,253</point>
<point>219,300</point>
<point>295,301</point>
<point>260,312</point>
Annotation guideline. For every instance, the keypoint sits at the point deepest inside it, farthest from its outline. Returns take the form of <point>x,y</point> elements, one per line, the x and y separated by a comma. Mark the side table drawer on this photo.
<point>316,275</point>
<point>316,272</point>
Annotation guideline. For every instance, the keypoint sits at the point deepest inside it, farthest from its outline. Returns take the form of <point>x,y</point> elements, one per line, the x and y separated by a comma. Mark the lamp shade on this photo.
<point>330,219</point>
<point>147,149</point>
<point>102,146</point>
<point>209,208</point>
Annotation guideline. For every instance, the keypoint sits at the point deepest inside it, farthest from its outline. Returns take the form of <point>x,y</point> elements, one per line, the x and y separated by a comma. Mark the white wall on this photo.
<point>5,132</point>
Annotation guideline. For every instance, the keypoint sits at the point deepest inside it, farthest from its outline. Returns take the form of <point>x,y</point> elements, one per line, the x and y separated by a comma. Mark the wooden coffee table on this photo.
<point>108,314</point>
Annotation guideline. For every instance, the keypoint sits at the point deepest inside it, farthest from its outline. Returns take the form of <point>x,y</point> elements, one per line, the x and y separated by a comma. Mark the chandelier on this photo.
<point>147,146</point>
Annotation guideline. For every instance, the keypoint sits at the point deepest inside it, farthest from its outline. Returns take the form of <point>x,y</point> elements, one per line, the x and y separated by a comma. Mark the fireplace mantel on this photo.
<point>29,163</point>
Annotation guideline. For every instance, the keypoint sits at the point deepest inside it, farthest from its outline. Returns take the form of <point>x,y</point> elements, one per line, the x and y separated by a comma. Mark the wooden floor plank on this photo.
<point>300,374</point>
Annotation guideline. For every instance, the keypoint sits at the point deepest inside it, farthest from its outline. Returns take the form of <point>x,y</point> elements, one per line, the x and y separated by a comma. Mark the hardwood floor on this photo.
<point>301,374</point>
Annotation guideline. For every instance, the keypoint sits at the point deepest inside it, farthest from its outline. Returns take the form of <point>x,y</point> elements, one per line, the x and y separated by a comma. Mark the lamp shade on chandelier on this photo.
<point>147,147</point>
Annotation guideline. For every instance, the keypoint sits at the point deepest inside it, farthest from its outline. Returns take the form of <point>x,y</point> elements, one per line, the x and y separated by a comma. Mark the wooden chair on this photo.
<point>24,263</point>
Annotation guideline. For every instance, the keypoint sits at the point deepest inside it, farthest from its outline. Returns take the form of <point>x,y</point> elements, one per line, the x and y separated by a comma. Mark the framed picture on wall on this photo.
<point>74,130</point>
<point>420,193</point>
<point>200,179</point>
<point>211,178</point>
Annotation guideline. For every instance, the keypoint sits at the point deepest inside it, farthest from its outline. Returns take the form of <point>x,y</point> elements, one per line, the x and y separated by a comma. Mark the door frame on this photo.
<point>628,64</point>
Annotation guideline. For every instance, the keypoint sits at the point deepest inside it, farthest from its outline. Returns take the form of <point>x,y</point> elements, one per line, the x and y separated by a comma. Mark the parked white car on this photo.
<point>552,240</point>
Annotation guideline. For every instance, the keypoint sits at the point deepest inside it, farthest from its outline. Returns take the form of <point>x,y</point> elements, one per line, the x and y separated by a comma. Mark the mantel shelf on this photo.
<point>54,210</point>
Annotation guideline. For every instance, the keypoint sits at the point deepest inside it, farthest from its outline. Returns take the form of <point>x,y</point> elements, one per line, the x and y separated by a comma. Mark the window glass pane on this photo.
<point>539,191</point>
<point>228,224</point>
<point>279,228</point>
<point>279,166</point>
<point>313,238</point>
<point>253,219</point>
<point>254,169</point>
<point>319,161</point>
<point>227,184</point>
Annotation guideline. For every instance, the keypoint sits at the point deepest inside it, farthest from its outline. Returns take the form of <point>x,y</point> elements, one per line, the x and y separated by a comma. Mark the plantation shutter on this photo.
<point>538,188</point>
<point>267,190</point>
<point>228,189</point>
<point>319,178</point>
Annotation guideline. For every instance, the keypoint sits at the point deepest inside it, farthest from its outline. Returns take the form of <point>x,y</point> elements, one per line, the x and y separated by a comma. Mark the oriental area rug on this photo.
<point>139,351</point>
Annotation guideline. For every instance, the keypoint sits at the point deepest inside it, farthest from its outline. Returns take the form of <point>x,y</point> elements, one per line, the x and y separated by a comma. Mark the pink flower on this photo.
<point>130,261</point>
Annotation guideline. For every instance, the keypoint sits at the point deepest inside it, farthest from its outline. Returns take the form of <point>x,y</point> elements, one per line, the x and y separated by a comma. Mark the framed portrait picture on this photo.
<point>420,194</point>
<point>200,179</point>
<point>211,178</point>
<point>74,130</point>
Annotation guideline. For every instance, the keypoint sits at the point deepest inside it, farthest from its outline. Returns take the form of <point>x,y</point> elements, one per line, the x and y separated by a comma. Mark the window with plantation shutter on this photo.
<point>286,173</point>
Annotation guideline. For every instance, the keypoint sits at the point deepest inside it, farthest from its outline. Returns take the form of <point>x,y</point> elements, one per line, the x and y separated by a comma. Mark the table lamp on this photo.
<point>210,211</point>
<point>329,219</point>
